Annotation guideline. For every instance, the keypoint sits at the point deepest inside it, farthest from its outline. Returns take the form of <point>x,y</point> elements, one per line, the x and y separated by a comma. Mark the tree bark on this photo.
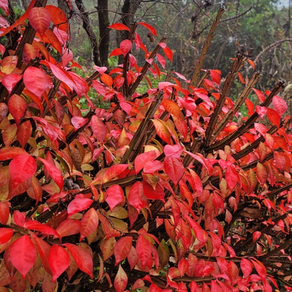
<point>63,6</point>
<point>103,31</point>
<point>87,27</point>
<point>25,3</point>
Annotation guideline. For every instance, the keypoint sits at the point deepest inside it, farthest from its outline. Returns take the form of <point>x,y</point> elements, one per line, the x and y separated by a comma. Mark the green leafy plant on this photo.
<point>163,191</point>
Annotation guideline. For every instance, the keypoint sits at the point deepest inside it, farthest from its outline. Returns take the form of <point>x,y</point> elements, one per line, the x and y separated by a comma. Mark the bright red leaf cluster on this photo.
<point>169,190</point>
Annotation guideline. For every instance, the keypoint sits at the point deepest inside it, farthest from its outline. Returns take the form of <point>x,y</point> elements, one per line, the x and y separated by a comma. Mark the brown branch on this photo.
<point>250,122</point>
<point>87,27</point>
<point>271,46</point>
<point>206,45</point>
<point>103,21</point>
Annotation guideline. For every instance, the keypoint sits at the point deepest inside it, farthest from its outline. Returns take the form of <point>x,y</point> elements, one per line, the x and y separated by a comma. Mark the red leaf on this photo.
<point>251,63</point>
<point>29,52</point>
<point>197,183</point>
<point>279,104</point>
<point>199,157</point>
<point>216,76</point>
<point>9,81</point>
<point>151,193</point>
<point>115,196</point>
<point>240,78</point>
<point>67,57</point>
<point>149,27</point>
<point>24,132</point>
<point>78,122</point>
<point>50,38</point>
<point>136,196</point>
<point>139,44</point>
<point>246,267</point>
<point>8,64</point>
<point>116,52</point>
<point>261,173</point>
<point>256,235</point>
<point>89,223</point>
<point>121,280</point>
<point>59,260</point>
<point>61,74</point>
<point>261,111</point>
<point>107,79</point>
<point>249,106</point>
<point>231,177</point>
<point>233,272</point>
<point>262,129</point>
<point>22,18</point>
<point>274,117</point>
<point>168,53</point>
<point>200,233</point>
<point>259,94</point>
<point>4,212</point>
<point>113,172</point>
<point>17,107</point>
<point>260,269</point>
<point>80,85</point>
<point>98,128</point>
<point>58,17</point>
<point>171,106</point>
<point>119,26</point>
<point>215,287</point>
<point>183,266</point>
<point>126,46</point>
<point>164,84</point>
<point>22,168</point>
<point>23,254</point>
<point>230,250</point>
<point>143,249</point>
<point>5,24</point>
<point>43,249</point>
<point>82,258</point>
<point>77,205</point>
<point>173,150</point>
<point>5,235</point>
<point>3,111</point>
<point>122,248</point>
<point>195,287</point>
<point>173,168</point>
<point>4,6</point>
<point>54,172</point>
<point>43,228</point>
<point>19,218</point>
<point>34,98</point>
<point>69,227</point>
<point>161,60</point>
<point>40,19</point>
<point>36,81</point>
<point>162,131</point>
<point>141,159</point>
<point>100,70</point>
<point>152,166</point>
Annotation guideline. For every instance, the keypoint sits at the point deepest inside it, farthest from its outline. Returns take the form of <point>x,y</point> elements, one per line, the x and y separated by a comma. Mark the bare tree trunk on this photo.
<point>103,31</point>
<point>87,27</point>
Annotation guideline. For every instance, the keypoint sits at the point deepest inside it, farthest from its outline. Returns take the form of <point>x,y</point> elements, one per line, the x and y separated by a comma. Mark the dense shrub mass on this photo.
<point>167,190</point>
